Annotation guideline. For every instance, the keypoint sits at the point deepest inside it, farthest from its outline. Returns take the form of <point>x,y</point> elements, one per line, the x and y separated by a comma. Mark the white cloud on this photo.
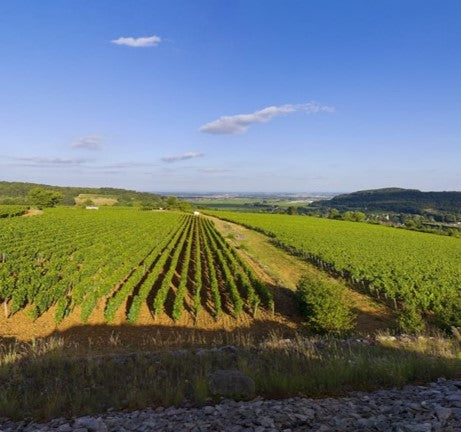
<point>140,42</point>
<point>241,122</point>
<point>89,142</point>
<point>184,156</point>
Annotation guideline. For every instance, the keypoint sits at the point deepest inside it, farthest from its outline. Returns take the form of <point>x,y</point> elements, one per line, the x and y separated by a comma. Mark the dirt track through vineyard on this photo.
<point>282,271</point>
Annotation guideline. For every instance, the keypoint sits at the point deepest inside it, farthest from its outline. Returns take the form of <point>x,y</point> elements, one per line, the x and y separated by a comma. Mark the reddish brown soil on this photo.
<point>162,328</point>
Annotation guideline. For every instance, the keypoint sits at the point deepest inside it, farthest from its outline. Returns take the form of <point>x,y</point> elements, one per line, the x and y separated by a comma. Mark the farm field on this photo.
<point>12,210</point>
<point>114,266</point>
<point>284,271</point>
<point>416,273</point>
<point>86,273</point>
<point>252,204</point>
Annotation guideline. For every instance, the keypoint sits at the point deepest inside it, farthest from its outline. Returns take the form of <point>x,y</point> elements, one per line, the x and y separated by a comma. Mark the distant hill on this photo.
<point>396,200</point>
<point>16,193</point>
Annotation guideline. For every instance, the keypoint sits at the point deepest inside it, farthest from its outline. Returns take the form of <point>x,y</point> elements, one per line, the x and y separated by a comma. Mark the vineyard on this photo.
<point>12,210</point>
<point>416,273</point>
<point>123,259</point>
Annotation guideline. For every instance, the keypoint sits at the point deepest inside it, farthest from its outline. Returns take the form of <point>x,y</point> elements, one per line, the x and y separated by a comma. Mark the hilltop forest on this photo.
<point>17,193</point>
<point>440,205</point>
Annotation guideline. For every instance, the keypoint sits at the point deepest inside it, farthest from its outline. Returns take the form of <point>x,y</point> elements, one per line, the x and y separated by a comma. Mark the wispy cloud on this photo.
<point>127,165</point>
<point>46,161</point>
<point>140,42</point>
<point>241,122</point>
<point>184,156</point>
<point>213,170</point>
<point>88,142</point>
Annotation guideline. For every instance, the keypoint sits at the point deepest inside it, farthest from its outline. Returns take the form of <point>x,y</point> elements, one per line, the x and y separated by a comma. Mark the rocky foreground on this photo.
<point>429,408</point>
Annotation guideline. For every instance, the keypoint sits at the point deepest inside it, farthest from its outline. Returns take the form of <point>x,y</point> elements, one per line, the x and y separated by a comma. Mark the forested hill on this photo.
<point>16,193</point>
<point>396,200</point>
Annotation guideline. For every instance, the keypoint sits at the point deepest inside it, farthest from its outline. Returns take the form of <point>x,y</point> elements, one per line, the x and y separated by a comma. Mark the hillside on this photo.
<point>16,193</point>
<point>121,309</point>
<point>411,270</point>
<point>396,200</point>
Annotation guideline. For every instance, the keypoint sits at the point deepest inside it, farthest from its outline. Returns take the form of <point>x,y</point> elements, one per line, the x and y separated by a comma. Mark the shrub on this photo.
<point>44,197</point>
<point>410,319</point>
<point>323,304</point>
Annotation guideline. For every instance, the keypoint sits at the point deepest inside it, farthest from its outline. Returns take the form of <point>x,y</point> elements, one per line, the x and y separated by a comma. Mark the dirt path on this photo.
<point>283,271</point>
<point>32,212</point>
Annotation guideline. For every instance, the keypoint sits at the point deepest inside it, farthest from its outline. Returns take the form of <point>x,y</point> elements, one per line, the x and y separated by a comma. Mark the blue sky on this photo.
<point>240,95</point>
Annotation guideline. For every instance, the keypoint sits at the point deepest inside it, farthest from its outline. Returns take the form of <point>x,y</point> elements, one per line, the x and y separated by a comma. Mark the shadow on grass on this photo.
<point>125,337</point>
<point>284,301</point>
<point>47,379</point>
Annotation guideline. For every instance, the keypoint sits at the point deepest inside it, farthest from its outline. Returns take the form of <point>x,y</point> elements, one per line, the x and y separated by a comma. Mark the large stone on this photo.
<point>265,421</point>
<point>443,414</point>
<point>90,423</point>
<point>230,383</point>
<point>209,410</point>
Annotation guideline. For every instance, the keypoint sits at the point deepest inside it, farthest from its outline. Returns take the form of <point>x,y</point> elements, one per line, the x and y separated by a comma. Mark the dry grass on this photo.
<point>38,380</point>
<point>32,212</point>
<point>97,199</point>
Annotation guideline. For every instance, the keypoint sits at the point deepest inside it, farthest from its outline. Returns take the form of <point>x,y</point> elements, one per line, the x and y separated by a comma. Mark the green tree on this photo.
<point>171,202</point>
<point>41,197</point>
<point>359,216</point>
<point>334,214</point>
<point>354,216</point>
<point>184,206</point>
<point>415,222</point>
<point>348,216</point>
<point>449,218</point>
<point>174,203</point>
<point>88,202</point>
<point>292,210</point>
<point>374,219</point>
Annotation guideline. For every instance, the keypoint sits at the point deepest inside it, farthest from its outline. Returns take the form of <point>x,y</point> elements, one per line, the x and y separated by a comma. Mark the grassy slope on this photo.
<point>417,270</point>
<point>39,381</point>
<point>45,379</point>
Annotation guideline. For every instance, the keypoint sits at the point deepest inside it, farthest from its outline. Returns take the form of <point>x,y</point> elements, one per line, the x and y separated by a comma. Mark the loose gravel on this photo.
<point>435,407</point>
